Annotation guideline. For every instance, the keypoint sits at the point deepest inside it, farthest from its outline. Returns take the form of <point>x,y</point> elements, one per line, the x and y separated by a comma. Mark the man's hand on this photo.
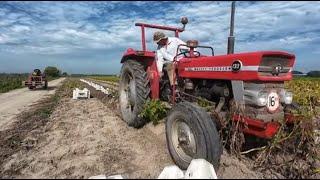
<point>161,73</point>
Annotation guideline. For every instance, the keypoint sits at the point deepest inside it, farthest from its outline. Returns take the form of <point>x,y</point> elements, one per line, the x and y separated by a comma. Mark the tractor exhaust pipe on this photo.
<point>231,37</point>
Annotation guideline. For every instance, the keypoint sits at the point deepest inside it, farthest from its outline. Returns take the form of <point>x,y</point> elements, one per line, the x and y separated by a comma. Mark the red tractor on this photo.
<point>251,81</point>
<point>36,78</point>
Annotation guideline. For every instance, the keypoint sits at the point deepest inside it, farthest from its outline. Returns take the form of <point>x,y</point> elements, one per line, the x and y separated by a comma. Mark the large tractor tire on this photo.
<point>134,90</point>
<point>192,134</point>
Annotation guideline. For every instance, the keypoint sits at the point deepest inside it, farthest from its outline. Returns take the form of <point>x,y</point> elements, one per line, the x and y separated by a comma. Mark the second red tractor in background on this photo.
<point>35,79</point>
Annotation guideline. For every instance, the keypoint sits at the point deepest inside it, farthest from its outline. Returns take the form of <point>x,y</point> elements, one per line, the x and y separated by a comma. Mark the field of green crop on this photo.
<point>305,90</point>
<point>11,81</point>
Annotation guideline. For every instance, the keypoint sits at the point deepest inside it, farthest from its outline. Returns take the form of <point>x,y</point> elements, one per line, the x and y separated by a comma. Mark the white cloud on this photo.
<point>19,28</point>
<point>3,39</point>
<point>289,40</point>
<point>57,28</point>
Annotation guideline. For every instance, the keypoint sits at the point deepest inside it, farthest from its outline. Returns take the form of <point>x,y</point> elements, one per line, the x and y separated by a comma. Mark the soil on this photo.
<point>84,138</point>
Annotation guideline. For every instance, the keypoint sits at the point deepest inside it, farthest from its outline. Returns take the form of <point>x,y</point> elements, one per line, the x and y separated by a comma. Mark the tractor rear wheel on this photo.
<point>134,90</point>
<point>192,134</point>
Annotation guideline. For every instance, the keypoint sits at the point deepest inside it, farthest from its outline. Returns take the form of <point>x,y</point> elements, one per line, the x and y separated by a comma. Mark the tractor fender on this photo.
<point>143,56</point>
<point>147,58</point>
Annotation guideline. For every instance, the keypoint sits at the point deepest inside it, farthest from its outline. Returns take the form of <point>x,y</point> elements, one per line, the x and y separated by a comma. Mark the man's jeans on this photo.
<point>170,71</point>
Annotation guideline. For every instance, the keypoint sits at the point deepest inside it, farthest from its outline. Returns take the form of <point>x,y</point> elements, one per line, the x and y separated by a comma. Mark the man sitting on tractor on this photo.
<point>166,51</point>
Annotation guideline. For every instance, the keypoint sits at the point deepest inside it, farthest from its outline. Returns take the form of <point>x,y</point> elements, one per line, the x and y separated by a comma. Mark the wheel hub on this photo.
<point>128,92</point>
<point>184,140</point>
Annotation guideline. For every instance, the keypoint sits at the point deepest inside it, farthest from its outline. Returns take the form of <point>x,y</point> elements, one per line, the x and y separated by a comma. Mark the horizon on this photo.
<point>91,37</point>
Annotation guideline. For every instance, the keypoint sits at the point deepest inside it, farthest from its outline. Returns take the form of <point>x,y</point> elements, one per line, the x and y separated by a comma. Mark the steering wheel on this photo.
<point>188,52</point>
<point>197,52</point>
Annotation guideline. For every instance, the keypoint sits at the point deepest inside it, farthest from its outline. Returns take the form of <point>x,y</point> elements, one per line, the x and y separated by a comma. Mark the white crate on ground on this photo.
<point>198,169</point>
<point>171,172</point>
<point>77,93</point>
<point>105,177</point>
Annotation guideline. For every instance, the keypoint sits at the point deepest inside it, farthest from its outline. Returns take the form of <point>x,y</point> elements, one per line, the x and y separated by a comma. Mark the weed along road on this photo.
<point>13,102</point>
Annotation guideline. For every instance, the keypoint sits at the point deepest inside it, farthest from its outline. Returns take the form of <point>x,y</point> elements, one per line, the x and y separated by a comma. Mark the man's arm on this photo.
<point>179,41</point>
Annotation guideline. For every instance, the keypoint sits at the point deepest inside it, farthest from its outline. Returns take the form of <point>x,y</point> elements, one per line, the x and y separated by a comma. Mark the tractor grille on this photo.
<point>257,112</point>
<point>36,78</point>
<point>274,65</point>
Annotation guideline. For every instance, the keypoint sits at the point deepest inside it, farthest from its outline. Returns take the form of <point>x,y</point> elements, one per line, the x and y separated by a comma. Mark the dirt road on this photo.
<point>13,102</point>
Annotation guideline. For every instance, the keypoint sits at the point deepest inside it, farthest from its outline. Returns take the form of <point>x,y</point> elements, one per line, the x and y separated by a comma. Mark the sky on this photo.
<point>91,37</point>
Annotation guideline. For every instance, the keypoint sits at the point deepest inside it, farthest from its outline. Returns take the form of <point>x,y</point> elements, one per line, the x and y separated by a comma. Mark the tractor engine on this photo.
<point>211,90</point>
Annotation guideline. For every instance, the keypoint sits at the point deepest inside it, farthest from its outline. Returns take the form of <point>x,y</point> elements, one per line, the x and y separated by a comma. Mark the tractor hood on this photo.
<point>260,65</point>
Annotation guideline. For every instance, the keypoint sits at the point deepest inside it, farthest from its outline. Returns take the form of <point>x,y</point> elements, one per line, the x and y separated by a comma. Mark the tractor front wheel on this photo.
<point>192,134</point>
<point>134,90</point>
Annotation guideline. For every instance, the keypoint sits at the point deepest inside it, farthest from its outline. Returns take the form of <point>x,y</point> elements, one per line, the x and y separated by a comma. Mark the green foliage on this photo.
<point>11,81</point>
<point>52,71</point>
<point>154,110</point>
<point>306,92</point>
<point>202,102</point>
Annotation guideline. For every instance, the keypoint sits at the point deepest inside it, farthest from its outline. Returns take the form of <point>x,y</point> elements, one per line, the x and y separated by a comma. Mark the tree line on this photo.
<point>309,74</point>
<point>54,72</point>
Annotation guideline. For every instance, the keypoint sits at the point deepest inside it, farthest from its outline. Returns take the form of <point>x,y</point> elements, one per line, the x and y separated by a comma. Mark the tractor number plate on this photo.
<point>273,101</point>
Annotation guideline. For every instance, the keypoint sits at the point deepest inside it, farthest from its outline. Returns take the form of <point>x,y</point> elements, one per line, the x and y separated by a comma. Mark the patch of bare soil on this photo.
<point>84,138</point>
<point>15,139</point>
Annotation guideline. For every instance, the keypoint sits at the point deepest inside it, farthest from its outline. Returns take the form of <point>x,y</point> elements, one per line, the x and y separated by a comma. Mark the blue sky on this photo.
<point>91,37</point>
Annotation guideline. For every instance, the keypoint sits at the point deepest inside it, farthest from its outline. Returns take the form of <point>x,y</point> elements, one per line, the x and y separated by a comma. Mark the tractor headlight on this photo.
<point>288,97</point>
<point>262,98</point>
